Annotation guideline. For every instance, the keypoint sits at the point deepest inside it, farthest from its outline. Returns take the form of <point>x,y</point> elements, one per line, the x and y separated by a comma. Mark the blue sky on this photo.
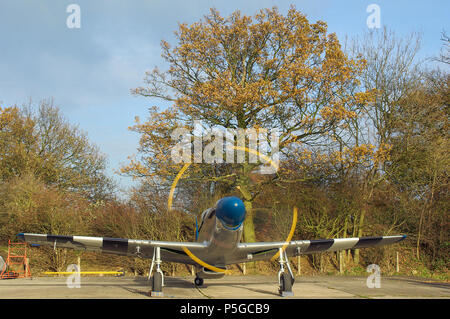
<point>90,71</point>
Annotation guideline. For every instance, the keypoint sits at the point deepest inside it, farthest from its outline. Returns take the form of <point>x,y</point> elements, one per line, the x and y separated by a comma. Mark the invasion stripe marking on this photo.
<point>319,245</point>
<point>41,238</point>
<point>92,242</point>
<point>368,242</point>
<point>343,243</point>
<point>88,243</point>
<point>60,239</point>
<point>115,244</point>
<point>387,240</point>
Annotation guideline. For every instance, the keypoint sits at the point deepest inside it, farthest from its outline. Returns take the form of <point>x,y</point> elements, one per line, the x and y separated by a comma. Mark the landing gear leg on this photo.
<point>285,279</point>
<point>158,276</point>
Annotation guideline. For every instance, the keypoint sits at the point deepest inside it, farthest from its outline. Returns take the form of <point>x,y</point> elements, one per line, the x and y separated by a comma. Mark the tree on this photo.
<point>419,164</point>
<point>56,152</point>
<point>444,56</point>
<point>267,71</point>
<point>392,72</point>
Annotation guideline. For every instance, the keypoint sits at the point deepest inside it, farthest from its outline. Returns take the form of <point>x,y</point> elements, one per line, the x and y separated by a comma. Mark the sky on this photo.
<point>89,71</point>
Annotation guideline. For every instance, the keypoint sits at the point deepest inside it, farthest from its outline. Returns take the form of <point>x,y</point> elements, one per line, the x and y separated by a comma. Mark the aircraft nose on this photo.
<point>231,211</point>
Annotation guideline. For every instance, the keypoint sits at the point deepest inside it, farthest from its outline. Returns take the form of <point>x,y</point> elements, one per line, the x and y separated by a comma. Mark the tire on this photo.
<point>198,281</point>
<point>285,283</point>
<point>157,282</point>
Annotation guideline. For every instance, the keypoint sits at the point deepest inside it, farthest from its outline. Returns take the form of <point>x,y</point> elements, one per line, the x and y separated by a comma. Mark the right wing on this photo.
<point>266,250</point>
<point>170,251</point>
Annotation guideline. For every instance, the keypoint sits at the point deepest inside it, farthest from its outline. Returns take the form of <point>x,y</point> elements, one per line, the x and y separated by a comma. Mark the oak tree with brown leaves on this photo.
<point>270,71</point>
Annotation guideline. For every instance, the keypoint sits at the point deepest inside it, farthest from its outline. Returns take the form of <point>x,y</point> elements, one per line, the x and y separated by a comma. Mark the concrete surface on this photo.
<point>255,287</point>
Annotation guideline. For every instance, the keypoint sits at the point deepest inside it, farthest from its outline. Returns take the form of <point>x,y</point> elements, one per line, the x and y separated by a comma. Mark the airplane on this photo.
<point>218,245</point>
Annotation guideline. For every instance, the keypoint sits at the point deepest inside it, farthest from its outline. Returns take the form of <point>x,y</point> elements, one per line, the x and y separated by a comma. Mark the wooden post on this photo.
<point>341,266</point>
<point>244,270</point>
<point>27,268</point>
<point>398,268</point>
<point>299,267</point>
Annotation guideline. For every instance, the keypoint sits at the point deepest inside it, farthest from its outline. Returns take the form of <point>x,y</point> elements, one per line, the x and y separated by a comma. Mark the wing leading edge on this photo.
<point>170,251</point>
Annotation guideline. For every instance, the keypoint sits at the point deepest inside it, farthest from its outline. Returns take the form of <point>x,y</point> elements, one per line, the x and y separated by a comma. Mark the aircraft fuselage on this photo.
<point>221,228</point>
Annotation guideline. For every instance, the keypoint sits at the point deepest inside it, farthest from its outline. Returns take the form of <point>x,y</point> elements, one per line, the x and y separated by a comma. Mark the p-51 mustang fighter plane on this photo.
<point>218,244</point>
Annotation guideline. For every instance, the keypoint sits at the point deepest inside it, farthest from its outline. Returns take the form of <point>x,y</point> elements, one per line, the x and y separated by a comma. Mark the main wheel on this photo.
<point>198,281</point>
<point>285,283</point>
<point>157,282</point>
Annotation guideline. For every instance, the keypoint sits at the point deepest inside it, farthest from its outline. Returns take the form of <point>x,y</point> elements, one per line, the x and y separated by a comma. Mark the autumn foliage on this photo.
<point>363,147</point>
<point>268,71</point>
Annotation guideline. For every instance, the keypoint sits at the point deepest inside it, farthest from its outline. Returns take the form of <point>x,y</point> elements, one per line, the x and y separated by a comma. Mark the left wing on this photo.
<point>170,251</point>
<point>265,250</point>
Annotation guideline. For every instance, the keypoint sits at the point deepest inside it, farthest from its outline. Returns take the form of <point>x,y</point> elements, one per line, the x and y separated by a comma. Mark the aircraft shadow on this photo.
<point>187,283</point>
